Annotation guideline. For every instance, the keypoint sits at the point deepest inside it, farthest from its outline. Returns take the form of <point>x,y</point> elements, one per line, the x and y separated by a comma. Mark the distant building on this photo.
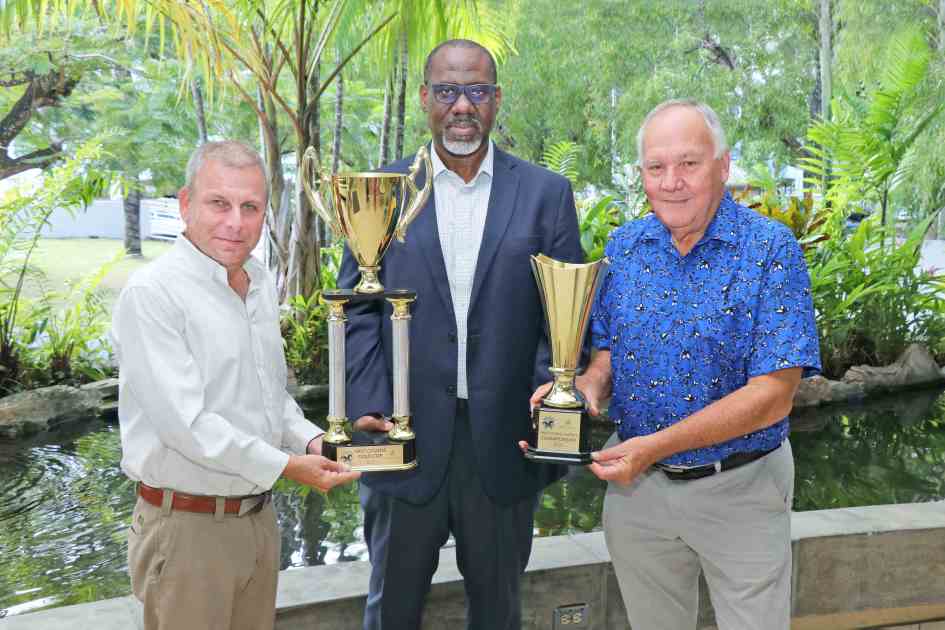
<point>105,218</point>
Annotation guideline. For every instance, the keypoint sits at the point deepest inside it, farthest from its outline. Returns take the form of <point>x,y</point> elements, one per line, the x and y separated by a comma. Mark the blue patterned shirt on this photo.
<point>684,332</point>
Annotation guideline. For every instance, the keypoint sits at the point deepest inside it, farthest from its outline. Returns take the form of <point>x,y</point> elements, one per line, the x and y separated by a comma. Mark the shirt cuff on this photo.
<point>299,434</point>
<point>267,465</point>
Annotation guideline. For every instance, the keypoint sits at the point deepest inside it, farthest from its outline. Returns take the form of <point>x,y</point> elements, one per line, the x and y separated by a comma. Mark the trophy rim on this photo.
<point>369,174</point>
<point>543,259</point>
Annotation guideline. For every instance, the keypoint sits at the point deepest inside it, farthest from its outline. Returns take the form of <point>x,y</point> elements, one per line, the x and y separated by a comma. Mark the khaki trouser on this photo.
<point>193,572</point>
<point>735,527</point>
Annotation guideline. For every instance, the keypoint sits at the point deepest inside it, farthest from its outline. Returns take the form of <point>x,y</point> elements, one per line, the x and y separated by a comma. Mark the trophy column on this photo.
<point>336,435</point>
<point>400,333</point>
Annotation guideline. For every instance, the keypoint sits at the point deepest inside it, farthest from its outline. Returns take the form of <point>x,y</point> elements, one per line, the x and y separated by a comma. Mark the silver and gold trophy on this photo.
<point>560,430</point>
<point>368,209</point>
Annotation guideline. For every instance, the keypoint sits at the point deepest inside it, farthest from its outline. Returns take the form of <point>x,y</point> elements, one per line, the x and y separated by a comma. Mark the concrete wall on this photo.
<point>872,567</point>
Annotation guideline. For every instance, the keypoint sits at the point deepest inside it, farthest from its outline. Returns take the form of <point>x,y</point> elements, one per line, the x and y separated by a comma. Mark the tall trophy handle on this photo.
<point>309,172</point>
<point>417,197</point>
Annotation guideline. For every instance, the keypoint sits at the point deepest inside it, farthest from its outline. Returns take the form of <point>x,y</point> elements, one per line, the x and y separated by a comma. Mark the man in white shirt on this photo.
<point>203,409</point>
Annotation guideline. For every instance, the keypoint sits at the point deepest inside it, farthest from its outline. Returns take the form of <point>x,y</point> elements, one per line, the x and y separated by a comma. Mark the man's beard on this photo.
<point>464,147</point>
<point>459,147</point>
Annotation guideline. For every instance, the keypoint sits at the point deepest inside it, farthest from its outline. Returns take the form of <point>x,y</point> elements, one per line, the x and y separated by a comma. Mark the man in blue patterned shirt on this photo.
<point>703,327</point>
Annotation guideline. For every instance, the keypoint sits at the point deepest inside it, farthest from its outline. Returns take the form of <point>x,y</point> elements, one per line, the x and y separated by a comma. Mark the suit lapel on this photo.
<point>426,233</point>
<point>498,216</point>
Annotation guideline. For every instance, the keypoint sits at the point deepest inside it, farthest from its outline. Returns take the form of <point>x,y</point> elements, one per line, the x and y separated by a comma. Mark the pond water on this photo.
<point>64,503</point>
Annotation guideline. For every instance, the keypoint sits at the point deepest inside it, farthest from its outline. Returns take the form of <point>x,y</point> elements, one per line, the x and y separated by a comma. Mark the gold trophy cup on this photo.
<point>560,430</point>
<point>368,209</point>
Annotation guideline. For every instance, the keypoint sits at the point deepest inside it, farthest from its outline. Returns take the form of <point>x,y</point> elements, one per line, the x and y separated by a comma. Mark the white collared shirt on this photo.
<point>461,219</point>
<point>202,403</point>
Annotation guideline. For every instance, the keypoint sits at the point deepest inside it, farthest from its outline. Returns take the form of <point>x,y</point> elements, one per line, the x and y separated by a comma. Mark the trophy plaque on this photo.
<point>368,209</point>
<point>560,430</point>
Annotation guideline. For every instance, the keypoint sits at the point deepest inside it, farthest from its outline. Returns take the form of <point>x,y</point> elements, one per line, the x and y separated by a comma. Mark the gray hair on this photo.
<point>711,119</point>
<point>230,153</point>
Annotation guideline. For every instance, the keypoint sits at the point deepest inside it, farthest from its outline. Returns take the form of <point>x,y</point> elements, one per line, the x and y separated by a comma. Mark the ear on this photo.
<point>183,199</point>
<point>498,97</point>
<point>424,96</point>
<point>725,163</point>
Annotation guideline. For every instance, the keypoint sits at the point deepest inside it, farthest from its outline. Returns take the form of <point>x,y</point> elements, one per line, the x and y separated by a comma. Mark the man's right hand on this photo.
<point>372,423</point>
<point>591,388</point>
<point>318,472</point>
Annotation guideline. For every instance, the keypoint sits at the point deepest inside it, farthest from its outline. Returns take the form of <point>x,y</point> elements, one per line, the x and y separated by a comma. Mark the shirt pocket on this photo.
<point>724,333</point>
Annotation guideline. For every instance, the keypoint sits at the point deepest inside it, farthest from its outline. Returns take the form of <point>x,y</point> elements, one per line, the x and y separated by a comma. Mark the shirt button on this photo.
<point>451,389</point>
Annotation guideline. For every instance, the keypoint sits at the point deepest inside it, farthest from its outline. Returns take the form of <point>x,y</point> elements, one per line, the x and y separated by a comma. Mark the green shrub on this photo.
<point>24,327</point>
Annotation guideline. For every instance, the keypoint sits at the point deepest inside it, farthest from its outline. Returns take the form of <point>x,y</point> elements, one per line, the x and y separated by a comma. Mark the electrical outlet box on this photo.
<point>571,617</point>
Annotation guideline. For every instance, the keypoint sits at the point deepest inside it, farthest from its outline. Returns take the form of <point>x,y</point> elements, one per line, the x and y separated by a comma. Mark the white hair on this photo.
<point>230,153</point>
<point>711,119</point>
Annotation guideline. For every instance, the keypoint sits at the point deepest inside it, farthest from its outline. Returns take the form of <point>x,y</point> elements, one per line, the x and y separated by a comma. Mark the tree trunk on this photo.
<point>339,119</point>
<point>197,93</point>
<point>826,58</point>
<point>384,145</point>
<point>132,206</point>
<point>278,221</point>
<point>402,98</point>
<point>304,248</point>
<point>941,25</point>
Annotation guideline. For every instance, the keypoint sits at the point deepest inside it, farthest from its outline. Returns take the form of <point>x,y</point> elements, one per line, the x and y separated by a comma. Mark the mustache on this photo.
<point>465,118</point>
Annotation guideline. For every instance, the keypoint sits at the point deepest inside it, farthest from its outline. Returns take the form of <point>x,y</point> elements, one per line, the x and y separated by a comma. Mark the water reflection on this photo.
<point>64,503</point>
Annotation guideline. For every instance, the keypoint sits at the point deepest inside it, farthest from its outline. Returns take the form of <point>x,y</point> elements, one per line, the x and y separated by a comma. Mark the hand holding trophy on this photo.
<point>368,210</point>
<point>560,431</point>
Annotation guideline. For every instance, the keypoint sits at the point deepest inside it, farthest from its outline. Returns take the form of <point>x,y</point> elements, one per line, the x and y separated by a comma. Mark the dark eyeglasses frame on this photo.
<point>488,90</point>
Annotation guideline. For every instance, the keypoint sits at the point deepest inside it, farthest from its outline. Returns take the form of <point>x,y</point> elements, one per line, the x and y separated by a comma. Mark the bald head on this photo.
<point>460,43</point>
<point>709,118</point>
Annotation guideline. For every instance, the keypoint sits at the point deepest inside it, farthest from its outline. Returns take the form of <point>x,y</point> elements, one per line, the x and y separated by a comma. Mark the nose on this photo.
<point>672,179</point>
<point>234,218</point>
<point>463,105</point>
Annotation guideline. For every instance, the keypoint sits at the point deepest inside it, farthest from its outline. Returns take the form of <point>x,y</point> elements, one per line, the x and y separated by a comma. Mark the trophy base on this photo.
<point>553,457</point>
<point>353,297</point>
<point>560,436</point>
<point>373,453</point>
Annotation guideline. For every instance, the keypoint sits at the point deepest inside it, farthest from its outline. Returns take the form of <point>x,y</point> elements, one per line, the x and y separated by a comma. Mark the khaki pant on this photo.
<point>193,572</point>
<point>735,527</point>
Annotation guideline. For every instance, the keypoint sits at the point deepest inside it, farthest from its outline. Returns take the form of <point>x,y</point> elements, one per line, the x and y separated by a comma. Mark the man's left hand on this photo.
<point>622,463</point>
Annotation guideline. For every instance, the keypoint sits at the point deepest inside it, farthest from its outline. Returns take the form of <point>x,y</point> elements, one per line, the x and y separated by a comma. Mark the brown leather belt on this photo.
<point>202,503</point>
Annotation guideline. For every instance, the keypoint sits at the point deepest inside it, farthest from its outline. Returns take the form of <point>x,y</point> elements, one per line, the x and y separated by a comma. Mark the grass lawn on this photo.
<point>65,259</point>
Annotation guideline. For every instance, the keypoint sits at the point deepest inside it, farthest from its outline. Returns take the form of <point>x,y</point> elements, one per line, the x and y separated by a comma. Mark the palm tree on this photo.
<point>867,141</point>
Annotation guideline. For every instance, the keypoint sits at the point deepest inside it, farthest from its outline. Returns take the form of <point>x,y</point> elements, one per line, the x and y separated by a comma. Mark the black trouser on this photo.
<point>493,543</point>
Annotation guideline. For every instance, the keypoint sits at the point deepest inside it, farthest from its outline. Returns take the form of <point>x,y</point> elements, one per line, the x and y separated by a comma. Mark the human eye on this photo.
<point>445,90</point>
<point>478,91</point>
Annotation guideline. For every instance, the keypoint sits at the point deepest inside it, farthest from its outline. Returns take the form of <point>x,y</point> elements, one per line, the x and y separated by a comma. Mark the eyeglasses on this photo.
<point>449,93</point>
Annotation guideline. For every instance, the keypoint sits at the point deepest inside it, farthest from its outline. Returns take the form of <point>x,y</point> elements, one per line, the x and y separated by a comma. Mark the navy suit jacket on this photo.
<point>530,210</point>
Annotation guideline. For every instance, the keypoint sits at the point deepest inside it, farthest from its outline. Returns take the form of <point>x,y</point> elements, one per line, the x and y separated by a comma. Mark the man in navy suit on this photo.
<point>478,349</point>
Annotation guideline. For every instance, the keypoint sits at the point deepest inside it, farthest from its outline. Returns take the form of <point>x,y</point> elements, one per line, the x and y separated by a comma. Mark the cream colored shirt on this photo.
<point>202,403</point>
<point>461,219</point>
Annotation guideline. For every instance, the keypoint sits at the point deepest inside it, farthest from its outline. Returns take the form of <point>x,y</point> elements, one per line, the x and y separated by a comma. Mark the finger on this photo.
<point>607,473</point>
<point>328,465</point>
<point>539,394</point>
<point>373,424</point>
<point>609,454</point>
<point>523,445</point>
